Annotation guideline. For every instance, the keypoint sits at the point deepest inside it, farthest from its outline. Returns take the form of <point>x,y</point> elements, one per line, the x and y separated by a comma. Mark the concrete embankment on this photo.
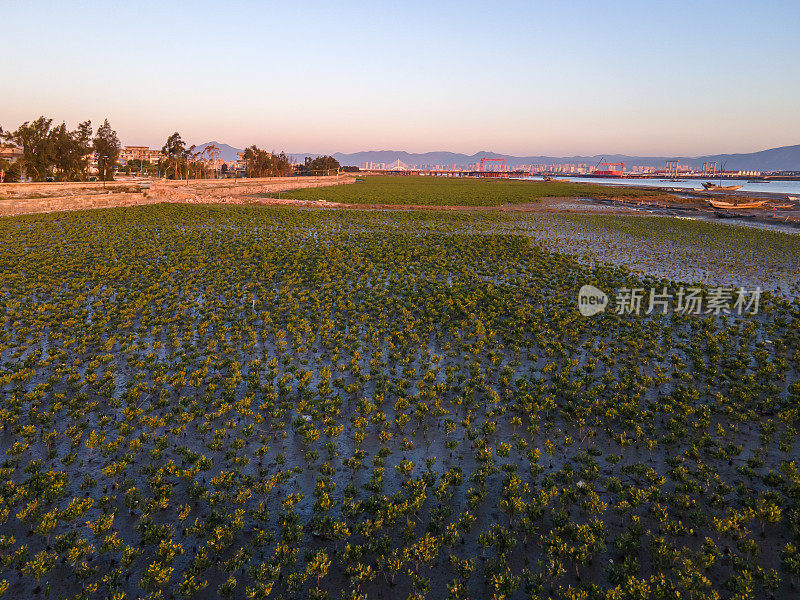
<point>26,198</point>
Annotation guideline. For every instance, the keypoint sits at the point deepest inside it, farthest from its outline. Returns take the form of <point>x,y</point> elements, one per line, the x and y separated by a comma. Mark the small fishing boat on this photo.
<point>730,205</point>
<point>782,206</point>
<point>713,187</point>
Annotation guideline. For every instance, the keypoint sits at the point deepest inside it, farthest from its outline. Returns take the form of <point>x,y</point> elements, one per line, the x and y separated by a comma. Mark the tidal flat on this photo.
<point>252,402</point>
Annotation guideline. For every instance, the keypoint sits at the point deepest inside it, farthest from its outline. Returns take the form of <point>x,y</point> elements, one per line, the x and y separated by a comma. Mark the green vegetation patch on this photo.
<point>251,402</point>
<point>439,191</point>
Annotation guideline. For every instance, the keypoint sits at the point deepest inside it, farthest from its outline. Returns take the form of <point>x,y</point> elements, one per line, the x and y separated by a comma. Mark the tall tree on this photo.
<point>34,139</point>
<point>177,155</point>
<point>4,164</point>
<point>84,147</point>
<point>209,159</point>
<point>106,149</point>
<point>61,144</point>
<point>70,151</point>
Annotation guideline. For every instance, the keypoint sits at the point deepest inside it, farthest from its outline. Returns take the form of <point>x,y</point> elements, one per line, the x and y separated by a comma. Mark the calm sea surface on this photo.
<point>772,187</point>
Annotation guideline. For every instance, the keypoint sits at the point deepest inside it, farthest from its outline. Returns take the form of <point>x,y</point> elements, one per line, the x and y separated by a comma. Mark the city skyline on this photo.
<point>460,77</point>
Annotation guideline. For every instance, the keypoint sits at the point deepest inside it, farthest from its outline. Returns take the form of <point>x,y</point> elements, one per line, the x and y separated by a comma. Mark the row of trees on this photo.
<point>261,163</point>
<point>64,155</point>
<point>183,162</point>
<point>141,167</point>
<point>321,165</point>
<point>60,153</point>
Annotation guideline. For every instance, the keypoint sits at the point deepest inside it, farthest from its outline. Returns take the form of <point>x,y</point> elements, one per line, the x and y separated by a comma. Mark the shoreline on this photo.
<point>673,189</point>
<point>577,205</point>
<point>35,198</point>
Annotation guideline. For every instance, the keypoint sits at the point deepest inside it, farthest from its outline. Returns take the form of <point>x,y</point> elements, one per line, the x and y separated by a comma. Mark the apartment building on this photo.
<point>129,153</point>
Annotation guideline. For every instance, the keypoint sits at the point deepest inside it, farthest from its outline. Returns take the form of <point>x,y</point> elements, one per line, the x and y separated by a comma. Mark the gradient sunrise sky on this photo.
<point>524,78</point>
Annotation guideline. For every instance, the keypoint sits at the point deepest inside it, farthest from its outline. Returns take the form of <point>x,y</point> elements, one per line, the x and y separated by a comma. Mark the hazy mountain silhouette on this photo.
<point>786,158</point>
<point>227,153</point>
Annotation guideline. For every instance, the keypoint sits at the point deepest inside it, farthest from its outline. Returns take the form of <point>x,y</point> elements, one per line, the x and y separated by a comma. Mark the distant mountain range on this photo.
<point>226,152</point>
<point>786,158</point>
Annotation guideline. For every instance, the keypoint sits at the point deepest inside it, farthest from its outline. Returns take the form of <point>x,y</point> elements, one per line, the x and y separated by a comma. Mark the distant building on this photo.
<point>240,164</point>
<point>129,153</point>
<point>11,153</point>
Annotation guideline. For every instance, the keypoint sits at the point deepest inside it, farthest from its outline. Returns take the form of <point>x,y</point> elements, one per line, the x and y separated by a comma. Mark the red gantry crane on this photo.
<point>604,169</point>
<point>484,160</point>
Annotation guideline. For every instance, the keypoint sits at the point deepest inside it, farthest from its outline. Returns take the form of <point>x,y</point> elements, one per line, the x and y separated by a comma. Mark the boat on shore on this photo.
<point>782,206</point>
<point>740,205</point>
<point>713,187</point>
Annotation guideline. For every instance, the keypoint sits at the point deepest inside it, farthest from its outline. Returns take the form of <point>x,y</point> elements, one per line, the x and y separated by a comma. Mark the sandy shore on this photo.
<point>31,198</point>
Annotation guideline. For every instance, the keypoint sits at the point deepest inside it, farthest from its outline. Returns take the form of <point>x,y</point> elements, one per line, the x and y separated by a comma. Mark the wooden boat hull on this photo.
<point>741,205</point>
<point>721,188</point>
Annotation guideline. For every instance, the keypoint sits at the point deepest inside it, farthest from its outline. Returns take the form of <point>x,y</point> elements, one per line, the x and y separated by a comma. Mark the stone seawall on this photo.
<point>22,206</point>
<point>236,191</point>
<point>28,198</point>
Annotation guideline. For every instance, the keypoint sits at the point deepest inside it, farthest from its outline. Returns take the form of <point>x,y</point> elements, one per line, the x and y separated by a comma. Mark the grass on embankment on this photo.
<point>431,191</point>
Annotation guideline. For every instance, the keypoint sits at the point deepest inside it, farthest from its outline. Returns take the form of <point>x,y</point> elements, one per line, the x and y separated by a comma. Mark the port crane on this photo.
<point>484,160</point>
<point>602,168</point>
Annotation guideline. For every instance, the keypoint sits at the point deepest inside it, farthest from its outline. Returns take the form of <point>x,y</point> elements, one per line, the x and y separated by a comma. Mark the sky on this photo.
<point>552,78</point>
